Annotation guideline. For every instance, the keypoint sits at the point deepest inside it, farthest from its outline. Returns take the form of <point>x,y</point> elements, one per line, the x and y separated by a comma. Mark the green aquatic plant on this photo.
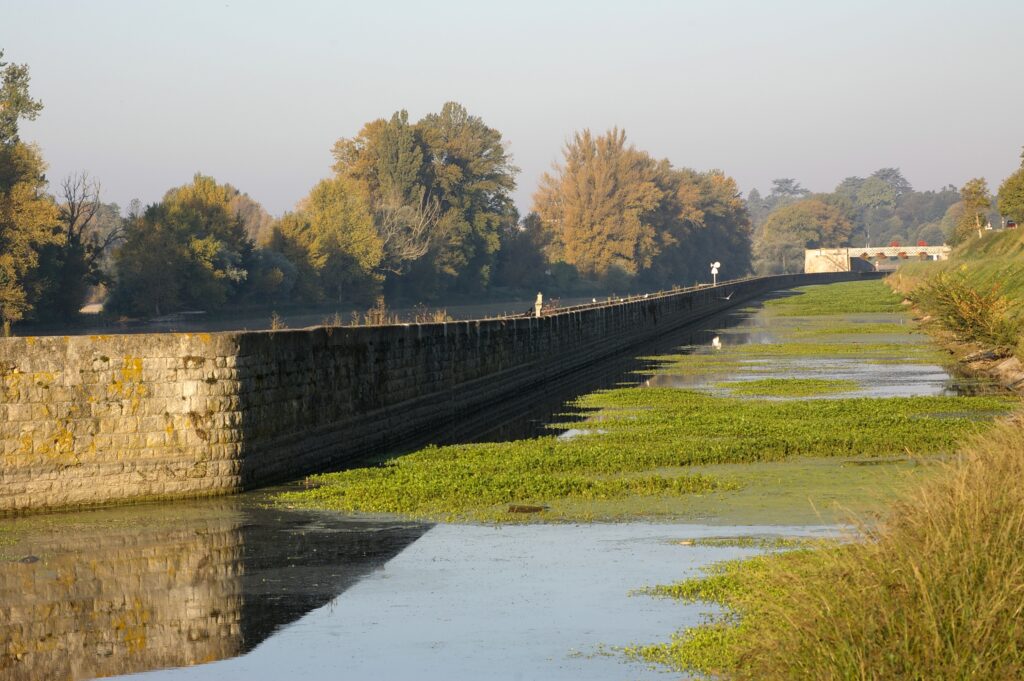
<point>849,329</point>
<point>855,297</point>
<point>788,387</point>
<point>641,450</point>
<point>640,443</point>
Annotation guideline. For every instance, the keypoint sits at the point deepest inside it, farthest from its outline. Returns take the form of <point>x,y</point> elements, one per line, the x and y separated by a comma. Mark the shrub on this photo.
<point>975,314</point>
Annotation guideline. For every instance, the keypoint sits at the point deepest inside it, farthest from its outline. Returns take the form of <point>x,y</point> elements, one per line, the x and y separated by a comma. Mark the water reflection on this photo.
<point>124,590</point>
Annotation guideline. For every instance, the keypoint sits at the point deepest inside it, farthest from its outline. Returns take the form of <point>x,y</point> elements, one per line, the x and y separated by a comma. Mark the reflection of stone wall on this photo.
<point>94,600</point>
<point>95,419</point>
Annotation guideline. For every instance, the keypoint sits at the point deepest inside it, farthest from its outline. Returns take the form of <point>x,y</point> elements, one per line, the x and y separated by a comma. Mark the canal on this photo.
<point>243,588</point>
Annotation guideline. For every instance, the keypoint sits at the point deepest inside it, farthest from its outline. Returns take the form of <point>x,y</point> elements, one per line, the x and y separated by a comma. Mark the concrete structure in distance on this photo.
<point>868,259</point>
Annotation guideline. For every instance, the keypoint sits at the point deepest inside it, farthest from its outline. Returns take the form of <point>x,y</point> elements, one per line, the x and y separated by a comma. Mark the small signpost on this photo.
<point>714,272</point>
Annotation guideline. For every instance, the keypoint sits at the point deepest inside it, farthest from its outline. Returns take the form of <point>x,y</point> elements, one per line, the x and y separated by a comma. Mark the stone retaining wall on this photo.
<point>90,420</point>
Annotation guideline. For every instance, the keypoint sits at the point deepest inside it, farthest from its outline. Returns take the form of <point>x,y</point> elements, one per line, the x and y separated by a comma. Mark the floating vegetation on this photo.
<point>748,541</point>
<point>855,297</point>
<point>788,387</point>
<point>642,451</point>
<point>649,436</point>
<point>850,329</point>
<point>752,357</point>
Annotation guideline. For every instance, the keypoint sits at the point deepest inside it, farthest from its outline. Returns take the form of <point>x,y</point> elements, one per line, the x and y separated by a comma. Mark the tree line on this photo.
<point>412,210</point>
<point>422,211</point>
<point>879,210</point>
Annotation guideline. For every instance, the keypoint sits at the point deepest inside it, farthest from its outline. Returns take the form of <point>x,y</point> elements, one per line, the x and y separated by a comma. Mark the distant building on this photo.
<point>868,259</point>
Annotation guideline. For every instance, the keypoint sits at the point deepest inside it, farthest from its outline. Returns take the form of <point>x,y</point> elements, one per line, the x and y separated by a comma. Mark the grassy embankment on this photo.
<point>977,295</point>
<point>649,452</point>
<point>934,592</point>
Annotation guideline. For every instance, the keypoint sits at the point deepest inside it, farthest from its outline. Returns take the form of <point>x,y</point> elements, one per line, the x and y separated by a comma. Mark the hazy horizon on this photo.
<point>144,95</point>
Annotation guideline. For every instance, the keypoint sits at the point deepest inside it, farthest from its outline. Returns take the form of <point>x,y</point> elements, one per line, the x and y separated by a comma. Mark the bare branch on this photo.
<point>80,197</point>
<point>407,228</point>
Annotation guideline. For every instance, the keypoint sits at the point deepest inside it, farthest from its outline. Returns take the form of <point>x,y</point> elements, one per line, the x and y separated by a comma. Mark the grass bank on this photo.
<point>936,592</point>
<point>977,295</point>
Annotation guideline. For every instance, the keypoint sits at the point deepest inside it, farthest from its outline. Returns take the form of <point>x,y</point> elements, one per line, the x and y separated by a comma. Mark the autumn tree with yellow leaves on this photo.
<point>28,216</point>
<point>614,212</point>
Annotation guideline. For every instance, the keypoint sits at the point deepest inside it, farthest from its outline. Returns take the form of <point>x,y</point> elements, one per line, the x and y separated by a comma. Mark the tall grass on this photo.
<point>995,260</point>
<point>974,312</point>
<point>936,592</point>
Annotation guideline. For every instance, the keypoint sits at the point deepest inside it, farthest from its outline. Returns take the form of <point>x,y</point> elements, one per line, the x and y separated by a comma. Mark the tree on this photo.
<point>894,179</point>
<point>15,101</point>
<point>810,223</point>
<point>976,202</point>
<point>189,250</point>
<point>28,216</point>
<point>332,243</point>
<point>520,263</point>
<point>875,193</point>
<point>472,177</point>
<point>787,187</point>
<point>601,205</point>
<point>387,160</point>
<point>1011,195</point>
<point>708,221</point>
<point>850,187</point>
<point>439,192</point>
<point>757,208</point>
<point>257,222</point>
<point>68,269</point>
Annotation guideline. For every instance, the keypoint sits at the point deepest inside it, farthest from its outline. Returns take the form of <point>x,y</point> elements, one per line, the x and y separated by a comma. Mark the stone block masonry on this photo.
<point>91,420</point>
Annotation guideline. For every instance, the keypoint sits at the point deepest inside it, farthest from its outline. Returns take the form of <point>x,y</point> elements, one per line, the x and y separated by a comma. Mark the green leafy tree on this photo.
<point>1011,195</point>
<point>388,162</point>
<point>810,223</point>
<point>976,201</point>
<point>520,263</point>
<point>190,250</point>
<point>787,188</point>
<point>472,177</point>
<point>332,243</point>
<point>757,209</point>
<point>439,193</point>
<point>28,216</point>
<point>895,181</point>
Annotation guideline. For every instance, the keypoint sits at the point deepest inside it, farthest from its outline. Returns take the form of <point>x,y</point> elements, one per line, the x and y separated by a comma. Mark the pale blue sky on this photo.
<point>143,93</point>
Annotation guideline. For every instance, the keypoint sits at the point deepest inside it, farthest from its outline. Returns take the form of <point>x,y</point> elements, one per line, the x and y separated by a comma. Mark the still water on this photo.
<point>232,589</point>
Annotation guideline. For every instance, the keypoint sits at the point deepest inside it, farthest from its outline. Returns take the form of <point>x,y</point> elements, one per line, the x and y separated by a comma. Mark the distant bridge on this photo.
<point>868,258</point>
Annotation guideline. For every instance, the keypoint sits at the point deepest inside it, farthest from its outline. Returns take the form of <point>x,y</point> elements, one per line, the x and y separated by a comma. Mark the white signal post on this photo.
<point>714,272</point>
